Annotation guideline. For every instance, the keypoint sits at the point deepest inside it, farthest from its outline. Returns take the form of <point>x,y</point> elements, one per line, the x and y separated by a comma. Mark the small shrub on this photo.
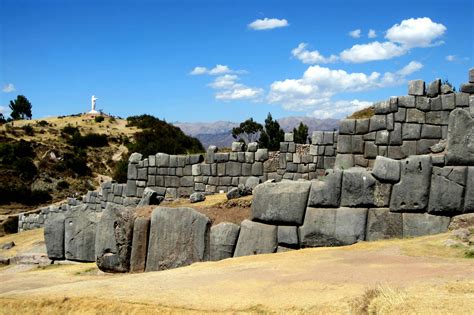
<point>29,131</point>
<point>25,167</point>
<point>89,140</point>
<point>99,119</point>
<point>69,130</point>
<point>42,123</point>
<point>120,171</point>
<point>76,162</point>
<point>112,120</point>
<point>39,196</point>
<point>23,195</point>
<point>11,152</point>
<point>62,185</point>
<point>469,253</point>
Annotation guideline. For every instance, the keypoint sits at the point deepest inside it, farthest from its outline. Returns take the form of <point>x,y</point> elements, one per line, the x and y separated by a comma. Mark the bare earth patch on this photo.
<point>216,207</point>
<point>384,277</point>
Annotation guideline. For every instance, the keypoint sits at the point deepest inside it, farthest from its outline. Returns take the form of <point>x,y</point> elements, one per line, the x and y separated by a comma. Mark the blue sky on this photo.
<point>222,60</point>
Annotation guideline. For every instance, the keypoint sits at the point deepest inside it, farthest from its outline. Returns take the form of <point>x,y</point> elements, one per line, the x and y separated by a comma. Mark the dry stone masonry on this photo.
<point>405,172</point>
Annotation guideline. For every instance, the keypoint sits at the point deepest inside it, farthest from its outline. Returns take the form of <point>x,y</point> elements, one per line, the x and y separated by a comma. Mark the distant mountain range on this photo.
<point>219,133</point>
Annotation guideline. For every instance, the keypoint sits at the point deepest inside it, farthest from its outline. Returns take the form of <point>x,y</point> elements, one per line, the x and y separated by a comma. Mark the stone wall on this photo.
<point>215,171</point>
<point>402,126</point>
<point>396,199</point>
<point>36,219</point>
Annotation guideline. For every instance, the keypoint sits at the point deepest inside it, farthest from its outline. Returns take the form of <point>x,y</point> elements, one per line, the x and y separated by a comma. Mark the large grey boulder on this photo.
<point>141,230</point>
<point>283,202</point>
<point>383,224</point>
<point>252,182</point>
<point>419,224</point>
<point>288,236</point>
<point>223,240</point>
<point>361,189</point>
<point>256,238</point>
<point>447,190</point>
<point>412,192</point>
<point>238,192</point>
<point>178,237</point>
<point>460,148</point>
<point>150,197</point>
<point>416,87</point>
<point>463,221</point>
<point>333,227</point>
<point>326,192</point>
<point>54,236</point>
<point>197,197</point>
<point>469,198</point>
<point>79,233</point>
<point>386,169</point>
<point>434,88</point>
<point>135,158</point>
<point>113,241</point>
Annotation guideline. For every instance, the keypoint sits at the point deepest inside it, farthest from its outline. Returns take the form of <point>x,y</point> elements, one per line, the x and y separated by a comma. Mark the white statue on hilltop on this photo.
<point>93,99</point>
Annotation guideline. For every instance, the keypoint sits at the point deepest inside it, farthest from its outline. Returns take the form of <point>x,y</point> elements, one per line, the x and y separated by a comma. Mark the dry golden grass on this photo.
<point>410,276</point>
<point>23,241</point>
<point>216,207</point>
<point>85,123</point>
<point>363,113</point>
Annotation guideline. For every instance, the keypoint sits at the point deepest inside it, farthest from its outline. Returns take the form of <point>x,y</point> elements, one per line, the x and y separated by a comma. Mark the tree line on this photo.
<point>269,135</point>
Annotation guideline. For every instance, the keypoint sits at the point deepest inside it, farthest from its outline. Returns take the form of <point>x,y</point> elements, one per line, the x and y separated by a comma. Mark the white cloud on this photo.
<point>239,93</point>
<point>8,88</point>
<point>226,83</point>
<point>420,32</point>
<point>341,108</point>
<point>319,84</point>
<point>410,68</point>
<point>223,82</point>
<point>268,24</point>
<point>372,34</point>
<point>355,33</point>
<point>451,58</point>
<point>311,57</point>
<point>229,89</point>
<point>199,71</point>
<point>217,70</point>
<point>372,51</point>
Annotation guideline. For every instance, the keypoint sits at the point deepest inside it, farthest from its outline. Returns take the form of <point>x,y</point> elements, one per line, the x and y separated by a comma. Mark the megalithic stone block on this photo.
<point>178,237</point>
<point>412,192</point>
<point>419,224</point>
<point>54,236</point>
<point>326,193</point>
<point>283,202</point>
<point>113,241</point>
<point>79,233</point>
<point>460,145</point>
<point>223,240</point>
<point>141,230</point>
<point>333,227</point>
<point>447,190</point>
<point>256,238</point>
<point>383,224</point>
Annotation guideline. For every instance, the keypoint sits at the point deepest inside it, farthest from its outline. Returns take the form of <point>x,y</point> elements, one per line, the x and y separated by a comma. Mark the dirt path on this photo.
<point>399,276</point>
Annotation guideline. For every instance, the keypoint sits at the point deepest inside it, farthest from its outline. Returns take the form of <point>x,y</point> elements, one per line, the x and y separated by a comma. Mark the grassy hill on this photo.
<point>45,160</point>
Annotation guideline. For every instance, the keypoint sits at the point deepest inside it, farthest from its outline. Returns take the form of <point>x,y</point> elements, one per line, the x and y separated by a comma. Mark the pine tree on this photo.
<point>300,134</point>
<point>21,108</point>
<point>247,131</point>
<point>271,137</point>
